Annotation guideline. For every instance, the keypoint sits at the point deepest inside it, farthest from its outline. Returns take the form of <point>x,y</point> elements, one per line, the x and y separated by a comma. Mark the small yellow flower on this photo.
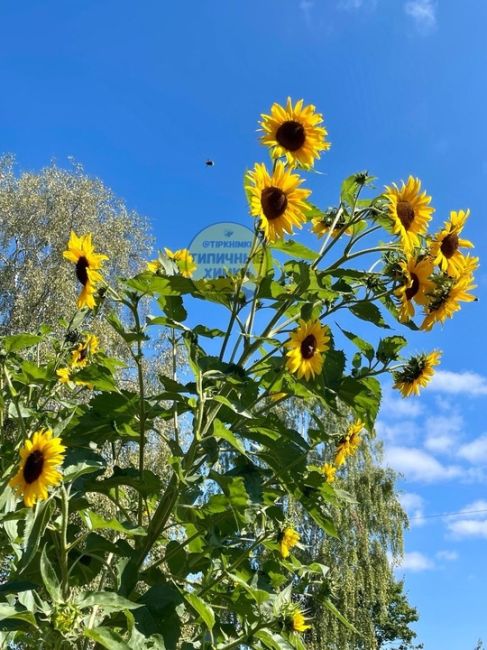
<point>39,458</point>
<point>416,374</point>
<point>277,200</point>
<point>184,261</point>
<point>446,245</point>
<point>305,349</point>
<point>154,266</point>
<point>329,471</point>
<point>350,442</point>
<point>80,252</point>
<point>289,539</point>
<point>298,621</point>
<point>64,375</point>
<point>409,211</point>
<point>295,132</point>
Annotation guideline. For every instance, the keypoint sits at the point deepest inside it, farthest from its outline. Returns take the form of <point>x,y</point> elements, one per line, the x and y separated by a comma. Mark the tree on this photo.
<point>37,213</point>
<point>362,583</point>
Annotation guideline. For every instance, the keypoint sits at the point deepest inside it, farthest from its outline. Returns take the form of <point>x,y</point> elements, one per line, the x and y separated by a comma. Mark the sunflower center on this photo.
<point>405,212</point>
<point>33,466</point>
<point>449,245</point>
<point>308,346</point>
<point>414,288</point>
<point>81,270</point>
<point>274,202</point>
<point>291,135</point>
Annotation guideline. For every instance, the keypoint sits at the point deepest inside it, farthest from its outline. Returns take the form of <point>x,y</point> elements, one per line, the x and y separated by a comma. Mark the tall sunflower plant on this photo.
<point>142,518</point>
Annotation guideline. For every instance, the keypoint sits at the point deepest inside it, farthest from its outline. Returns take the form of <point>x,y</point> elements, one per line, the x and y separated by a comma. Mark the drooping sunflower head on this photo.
<point>416,373</point>
<point>295,132</point>
<point>349,443</point>
<point>297,620</point>
<point>409,212</point>
<point>329,471</point>
<point>81,355</point>
<point>277,200</point>
<point>40,457</point>
<point>446,245</point>
<point>416,286</point>
<point>288,540</point>
<point>305,349</point>
<point>80,252</point>
<point>449,293</point>
<point>323,223</point>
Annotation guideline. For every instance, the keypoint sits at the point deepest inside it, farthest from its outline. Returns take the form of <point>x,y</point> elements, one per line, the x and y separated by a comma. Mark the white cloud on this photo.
<point>399,407</point>
<point>443,432</point>
<point>413,504</point>
<point>423,12</point>
<point>447,556</point>
<point>417,465</point>
<point>415,561</point>
<point>404,432</point>
<point>468,383</point>
<point>472,521</point>
<point>475,451</point>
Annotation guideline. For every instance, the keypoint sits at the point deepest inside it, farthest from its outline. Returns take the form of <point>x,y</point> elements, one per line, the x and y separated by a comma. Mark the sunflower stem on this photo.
<point>64,542</point>
<point>142,415</point>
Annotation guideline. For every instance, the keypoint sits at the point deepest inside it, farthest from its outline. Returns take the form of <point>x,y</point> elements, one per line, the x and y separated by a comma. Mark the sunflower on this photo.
<point>88,264</point>
<point>446,244</point>
<point>39,458</point>
<point>277,200</point>
<point>416,373</point>
<point>295,133</point>
<point>417,285</point>
<point>449,293</point>
<point>409,211</point>
<point>323,223</point>
<point>297,621</point>
<point>89,347</point>
<point>306,345</point>
<point>329,471</point>
<point>184,261</point>
<point>350,442</point>
<point>288,539</point>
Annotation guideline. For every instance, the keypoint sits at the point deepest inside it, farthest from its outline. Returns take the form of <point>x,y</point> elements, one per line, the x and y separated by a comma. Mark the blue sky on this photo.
<point>143,93</point>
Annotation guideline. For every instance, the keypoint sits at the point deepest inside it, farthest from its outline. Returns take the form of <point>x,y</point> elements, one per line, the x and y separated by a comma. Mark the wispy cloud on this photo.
<point>475,451</point>
<point>423,12</point>
<point>443,432</point>
<point>350,5</point>
<point>468,383</point>
<point>413,504</point>
<point>418,465</point>
<point>415,561</point>
<point>306,6</point>
<point>405,432</point>
<point>447,556</point>
<point>472,521</point>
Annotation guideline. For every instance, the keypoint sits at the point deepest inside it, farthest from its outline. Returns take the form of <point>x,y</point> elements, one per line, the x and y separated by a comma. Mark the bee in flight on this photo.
<point>210,163</point>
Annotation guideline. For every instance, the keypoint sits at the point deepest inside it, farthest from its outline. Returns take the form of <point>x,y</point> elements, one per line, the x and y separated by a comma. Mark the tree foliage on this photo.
<point>37,213</point>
